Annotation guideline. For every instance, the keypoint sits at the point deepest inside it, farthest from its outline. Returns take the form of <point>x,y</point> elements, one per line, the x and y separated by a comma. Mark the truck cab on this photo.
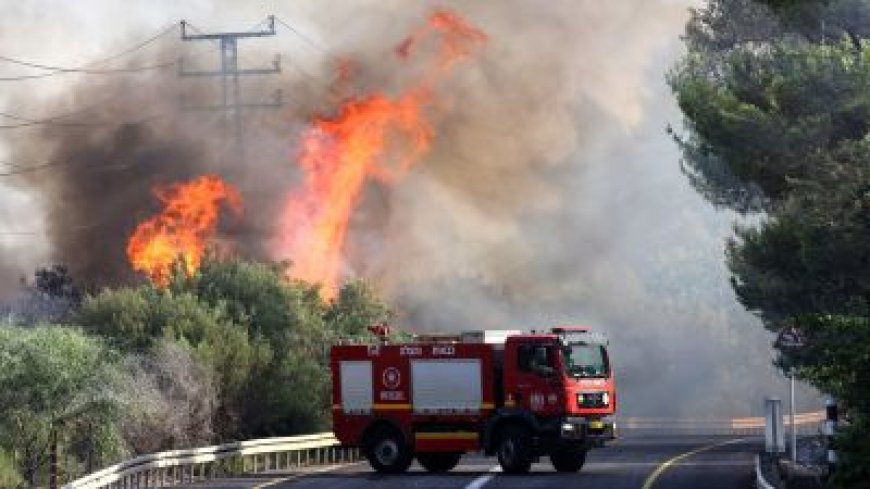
<point>559,385</point>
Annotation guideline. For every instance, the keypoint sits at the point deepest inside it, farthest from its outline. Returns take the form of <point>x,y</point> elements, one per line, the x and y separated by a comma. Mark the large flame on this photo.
<point>374,136</point>
<point>183,229</point>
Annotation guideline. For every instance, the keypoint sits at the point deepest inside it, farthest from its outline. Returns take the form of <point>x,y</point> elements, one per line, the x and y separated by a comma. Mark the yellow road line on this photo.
<point>648,483</point>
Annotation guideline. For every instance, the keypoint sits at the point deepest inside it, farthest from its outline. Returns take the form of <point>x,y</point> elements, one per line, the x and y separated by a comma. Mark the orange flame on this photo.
<point>182,230</point>
<point>371,137</point>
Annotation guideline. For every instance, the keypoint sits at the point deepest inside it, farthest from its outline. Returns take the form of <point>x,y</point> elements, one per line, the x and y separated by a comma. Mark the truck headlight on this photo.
<point>598,399</point>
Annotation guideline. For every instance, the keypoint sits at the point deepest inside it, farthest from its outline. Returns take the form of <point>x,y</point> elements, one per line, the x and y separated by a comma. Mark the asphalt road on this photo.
<point>673,462</point>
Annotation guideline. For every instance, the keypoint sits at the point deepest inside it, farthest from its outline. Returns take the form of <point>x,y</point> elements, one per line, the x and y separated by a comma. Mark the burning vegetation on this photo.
<point>183,229</point>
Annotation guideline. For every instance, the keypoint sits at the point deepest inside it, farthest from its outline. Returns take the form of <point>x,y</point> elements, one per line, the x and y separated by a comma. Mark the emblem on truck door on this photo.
<point>391,378</point>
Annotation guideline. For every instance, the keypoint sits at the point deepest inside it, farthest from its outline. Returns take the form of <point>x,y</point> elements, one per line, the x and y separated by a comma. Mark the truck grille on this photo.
<point>591,400</point>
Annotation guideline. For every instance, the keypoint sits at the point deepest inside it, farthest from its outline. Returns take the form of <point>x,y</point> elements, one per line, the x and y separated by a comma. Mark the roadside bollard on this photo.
<point>829,429</point>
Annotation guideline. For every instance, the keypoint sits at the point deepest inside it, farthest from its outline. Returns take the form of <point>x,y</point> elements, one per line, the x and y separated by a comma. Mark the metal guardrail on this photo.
<point>760,481</point>
<point>174,467</point>
<point>805,423</point>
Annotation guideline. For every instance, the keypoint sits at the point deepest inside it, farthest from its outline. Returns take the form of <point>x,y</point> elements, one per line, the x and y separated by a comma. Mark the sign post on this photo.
<point>790,339</point>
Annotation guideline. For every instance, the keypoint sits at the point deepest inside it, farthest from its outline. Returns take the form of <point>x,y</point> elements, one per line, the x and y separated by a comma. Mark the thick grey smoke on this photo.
<point>551,195</point>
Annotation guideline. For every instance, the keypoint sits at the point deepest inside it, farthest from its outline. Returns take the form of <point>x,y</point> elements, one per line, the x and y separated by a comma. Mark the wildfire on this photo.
<point>371,137</point>
<point>183,229</point>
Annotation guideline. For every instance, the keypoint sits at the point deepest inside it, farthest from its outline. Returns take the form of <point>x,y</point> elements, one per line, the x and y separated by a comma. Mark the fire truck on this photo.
<point>518,396</point>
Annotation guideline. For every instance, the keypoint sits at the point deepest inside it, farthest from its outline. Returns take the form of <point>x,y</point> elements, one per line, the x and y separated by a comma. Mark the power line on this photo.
<point>56,70</point>
<point>35,122</point>
<point>302,36</point>
<point>83,69</point>
<point>31,233</point>
<point>19,169</point>
<point>52,121</point>
<point>168,30</point>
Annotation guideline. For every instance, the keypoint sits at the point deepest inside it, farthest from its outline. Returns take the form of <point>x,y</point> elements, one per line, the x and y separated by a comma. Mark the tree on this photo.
<point>778,118</point>
<point>256,295</point>
<point>356,308</point>
<point>52,299</point>
<point>55,384</point>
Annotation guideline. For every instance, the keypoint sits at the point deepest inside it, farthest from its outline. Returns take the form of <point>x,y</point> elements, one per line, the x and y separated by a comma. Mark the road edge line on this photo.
<point>651,479</point>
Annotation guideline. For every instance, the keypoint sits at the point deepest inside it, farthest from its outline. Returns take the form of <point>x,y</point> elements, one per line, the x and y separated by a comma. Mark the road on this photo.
<point>672,462</point>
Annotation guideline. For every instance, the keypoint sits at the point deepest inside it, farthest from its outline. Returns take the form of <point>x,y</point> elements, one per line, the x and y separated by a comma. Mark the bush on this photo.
<point>170,400</point>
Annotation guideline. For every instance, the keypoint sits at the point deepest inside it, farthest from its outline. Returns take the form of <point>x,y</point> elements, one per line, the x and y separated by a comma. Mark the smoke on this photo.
<point>552,194</point>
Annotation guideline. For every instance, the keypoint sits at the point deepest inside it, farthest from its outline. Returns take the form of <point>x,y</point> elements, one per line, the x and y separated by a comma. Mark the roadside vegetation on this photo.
<point>776,98</point>
<point>234,352</point>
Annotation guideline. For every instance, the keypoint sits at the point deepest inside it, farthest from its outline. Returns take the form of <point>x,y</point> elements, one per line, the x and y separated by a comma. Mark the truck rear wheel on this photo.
<point>515,449</point>
<point>437,462</point>
<point>568,458</point>
<point>387,451</point>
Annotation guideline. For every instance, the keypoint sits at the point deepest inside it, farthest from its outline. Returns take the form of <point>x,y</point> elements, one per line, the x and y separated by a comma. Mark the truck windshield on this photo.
<point>583,360</point>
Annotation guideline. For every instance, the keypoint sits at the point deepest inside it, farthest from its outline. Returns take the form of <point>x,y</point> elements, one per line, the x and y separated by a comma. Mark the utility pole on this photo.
<point>230,74</point>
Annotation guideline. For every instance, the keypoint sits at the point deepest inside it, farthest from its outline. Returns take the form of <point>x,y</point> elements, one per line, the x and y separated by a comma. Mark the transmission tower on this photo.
<point>230,75</point>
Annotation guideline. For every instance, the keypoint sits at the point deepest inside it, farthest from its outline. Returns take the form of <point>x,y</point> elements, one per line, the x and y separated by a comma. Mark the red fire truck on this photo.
<point>514,395</point>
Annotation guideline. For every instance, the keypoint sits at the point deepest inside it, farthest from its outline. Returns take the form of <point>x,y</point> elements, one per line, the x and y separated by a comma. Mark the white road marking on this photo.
<point>482,480</point>
<point>319,470</point>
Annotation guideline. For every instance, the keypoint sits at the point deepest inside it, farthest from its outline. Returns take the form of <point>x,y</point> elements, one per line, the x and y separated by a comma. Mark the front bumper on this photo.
<point>595,431</point>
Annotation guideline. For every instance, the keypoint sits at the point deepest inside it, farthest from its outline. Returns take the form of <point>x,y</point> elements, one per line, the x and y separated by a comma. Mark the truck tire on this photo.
<point>438,462</point>
<point>387,451</point>
<point>568,458</point>
<point>514,449</point>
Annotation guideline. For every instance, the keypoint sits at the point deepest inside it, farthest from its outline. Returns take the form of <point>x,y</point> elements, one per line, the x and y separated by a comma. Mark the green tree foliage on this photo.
<point>299,328</point>
<point>56,381</point>
<point>777,109</point>
<point>355,309</point>
<point>266,338</point>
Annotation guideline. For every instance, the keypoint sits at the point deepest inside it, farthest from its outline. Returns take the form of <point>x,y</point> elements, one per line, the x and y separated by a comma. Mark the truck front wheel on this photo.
<point>569,458</point>
<point>438,462</point>
<point>515,452</point>
<point>387,451</point>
